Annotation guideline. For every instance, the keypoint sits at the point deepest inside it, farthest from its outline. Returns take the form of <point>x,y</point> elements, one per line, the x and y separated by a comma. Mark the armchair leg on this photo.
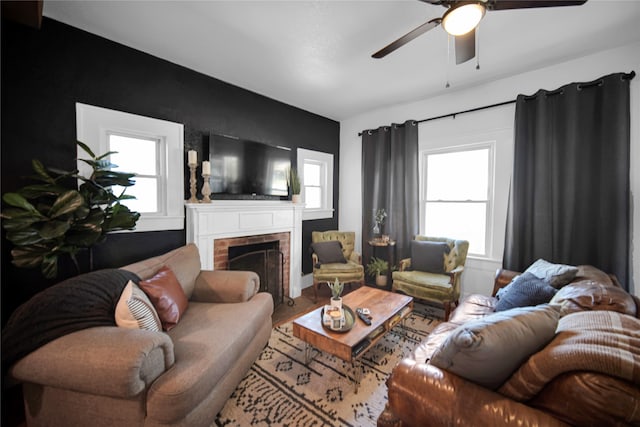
<point>315,291</point>
<point>447,310</point>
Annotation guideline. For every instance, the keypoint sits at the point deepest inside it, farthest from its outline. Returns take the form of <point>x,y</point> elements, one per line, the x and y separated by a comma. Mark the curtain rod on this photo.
<point>462,112</point>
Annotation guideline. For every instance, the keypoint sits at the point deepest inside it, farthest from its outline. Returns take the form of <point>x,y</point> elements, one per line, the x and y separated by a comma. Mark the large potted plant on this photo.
<point>379,268</point>
<point>54,217</point>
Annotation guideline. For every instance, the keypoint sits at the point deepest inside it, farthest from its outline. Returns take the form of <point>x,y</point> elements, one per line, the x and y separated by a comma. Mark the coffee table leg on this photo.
<point>356,368</point>
<point>307,353</point>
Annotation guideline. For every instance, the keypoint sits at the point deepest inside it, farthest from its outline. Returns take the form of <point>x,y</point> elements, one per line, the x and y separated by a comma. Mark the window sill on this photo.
<point>310,214</point>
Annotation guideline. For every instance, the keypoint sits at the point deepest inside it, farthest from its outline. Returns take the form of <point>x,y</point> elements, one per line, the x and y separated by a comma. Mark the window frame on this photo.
<point>94,127</point>
<point>489,212</point>
<point>325,160</point>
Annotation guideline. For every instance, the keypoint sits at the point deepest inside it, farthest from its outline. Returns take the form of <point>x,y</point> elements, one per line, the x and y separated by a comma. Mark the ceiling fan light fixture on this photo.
<point>462,18</point>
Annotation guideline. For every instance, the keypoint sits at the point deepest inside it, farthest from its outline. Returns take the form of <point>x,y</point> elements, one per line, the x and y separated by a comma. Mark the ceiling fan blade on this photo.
<point>526,4</point>
<point>407,38</point>
<point>465,47</point>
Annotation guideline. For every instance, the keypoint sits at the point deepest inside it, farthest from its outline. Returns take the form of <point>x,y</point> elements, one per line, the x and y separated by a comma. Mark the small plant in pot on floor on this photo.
<point>336,292</point>
<point>378,267</point>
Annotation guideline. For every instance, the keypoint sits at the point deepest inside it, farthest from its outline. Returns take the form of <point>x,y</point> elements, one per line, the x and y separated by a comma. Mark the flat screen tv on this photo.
<point>243,169</point>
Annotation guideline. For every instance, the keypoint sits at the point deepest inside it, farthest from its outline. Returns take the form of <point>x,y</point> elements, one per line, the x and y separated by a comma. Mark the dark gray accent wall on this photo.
<point>45,72</point>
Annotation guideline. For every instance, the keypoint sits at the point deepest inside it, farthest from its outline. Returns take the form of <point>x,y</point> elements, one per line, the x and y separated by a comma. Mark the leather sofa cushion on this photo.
<point>593,295</point>
<point>488,350</point>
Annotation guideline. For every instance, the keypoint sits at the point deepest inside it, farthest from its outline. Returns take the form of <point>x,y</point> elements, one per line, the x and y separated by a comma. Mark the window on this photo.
<point>316,175</point>
<point>457,190</point>
<point>150,148</point>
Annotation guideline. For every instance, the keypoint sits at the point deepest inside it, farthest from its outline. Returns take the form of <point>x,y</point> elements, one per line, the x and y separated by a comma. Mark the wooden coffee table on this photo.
<point>387,309</point>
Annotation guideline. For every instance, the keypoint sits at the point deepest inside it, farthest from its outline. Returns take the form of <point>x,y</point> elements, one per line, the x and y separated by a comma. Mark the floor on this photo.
<point>304,303</point>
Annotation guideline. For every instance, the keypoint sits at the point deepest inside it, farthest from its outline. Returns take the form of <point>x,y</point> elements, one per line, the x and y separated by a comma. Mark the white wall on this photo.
<point>498,121</point>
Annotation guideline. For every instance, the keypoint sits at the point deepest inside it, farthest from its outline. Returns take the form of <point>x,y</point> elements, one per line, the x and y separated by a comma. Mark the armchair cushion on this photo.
<point>167,296</point>
<point>429,256</point>
<point>488,350</point>
<point>329,252</point>
<point>525,290</point>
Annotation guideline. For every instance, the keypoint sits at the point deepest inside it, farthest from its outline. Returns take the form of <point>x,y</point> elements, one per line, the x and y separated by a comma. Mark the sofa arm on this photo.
<point>105,360</point>
<point>225,286</point>
<point>503,278</point>
<point>421,394</point>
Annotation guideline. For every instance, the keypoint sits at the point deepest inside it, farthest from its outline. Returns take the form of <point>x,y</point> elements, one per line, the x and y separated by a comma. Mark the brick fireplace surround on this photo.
<point>216,226</point>
<point>221,252</point>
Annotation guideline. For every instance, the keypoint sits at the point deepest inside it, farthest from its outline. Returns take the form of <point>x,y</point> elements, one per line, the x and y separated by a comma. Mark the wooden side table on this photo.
<point>388,248</point>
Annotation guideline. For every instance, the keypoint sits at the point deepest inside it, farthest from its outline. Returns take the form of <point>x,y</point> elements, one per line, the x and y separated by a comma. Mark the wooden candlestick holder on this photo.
<point>206,189</point>
<point>192,182</point>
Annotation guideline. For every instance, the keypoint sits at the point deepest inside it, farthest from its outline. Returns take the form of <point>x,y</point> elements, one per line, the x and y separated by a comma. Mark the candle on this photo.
<point>193,157</point>
<point>206,168</point>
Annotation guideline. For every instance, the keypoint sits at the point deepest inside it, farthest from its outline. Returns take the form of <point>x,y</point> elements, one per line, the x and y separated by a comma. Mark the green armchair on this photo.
<point>441,285</point>
<point>347,270</point>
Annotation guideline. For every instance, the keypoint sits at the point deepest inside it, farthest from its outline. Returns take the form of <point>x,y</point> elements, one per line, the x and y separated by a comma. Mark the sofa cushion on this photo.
<point>135,311</point>
<point>472,307</point>
<point>167,297</point>
<point>488,350</point>
<point>592,295</point>
<point>525,290</point>
<point>429,256</point>
<point>329,252</point>
<point>557,275</point>
<point>208,342</point>
<point>183,261</point>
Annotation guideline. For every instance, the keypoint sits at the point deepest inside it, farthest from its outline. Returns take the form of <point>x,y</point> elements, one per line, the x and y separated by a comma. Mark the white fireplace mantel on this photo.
<point>223,219</point>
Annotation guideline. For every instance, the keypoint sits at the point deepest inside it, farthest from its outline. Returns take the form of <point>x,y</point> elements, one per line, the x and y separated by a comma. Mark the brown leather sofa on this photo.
<point>421,394</point>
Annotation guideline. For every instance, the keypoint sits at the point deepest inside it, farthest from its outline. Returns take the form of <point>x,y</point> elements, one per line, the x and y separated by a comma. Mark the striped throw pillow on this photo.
<point>135,311</point>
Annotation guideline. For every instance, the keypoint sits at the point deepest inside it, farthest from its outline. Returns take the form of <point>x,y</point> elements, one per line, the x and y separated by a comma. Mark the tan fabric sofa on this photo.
<point>421,394</point>
<point>111,376</point>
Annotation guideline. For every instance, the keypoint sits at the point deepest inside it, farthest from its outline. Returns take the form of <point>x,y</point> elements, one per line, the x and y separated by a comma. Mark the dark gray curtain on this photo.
<point>390,182</point>
<point>570,190</point>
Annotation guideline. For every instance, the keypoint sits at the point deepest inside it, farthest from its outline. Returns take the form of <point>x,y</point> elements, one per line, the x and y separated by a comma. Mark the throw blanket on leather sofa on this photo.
<point>81,302</point>
<point>600,341</point>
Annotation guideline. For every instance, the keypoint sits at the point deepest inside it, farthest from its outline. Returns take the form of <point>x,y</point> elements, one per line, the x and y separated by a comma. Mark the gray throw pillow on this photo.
<point>487,351</point>
<point>329,252</point>
<point>525,290</point>
<point>428,256</point>
<point>557,275</point>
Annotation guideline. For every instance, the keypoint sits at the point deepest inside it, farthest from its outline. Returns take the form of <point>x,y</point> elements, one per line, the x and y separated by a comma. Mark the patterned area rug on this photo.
<point>279,390</point>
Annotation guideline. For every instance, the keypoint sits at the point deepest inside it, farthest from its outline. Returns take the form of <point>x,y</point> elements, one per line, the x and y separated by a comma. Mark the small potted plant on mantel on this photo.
<point>378,267</point>
<point>336,290</point>
<point>293,181</point>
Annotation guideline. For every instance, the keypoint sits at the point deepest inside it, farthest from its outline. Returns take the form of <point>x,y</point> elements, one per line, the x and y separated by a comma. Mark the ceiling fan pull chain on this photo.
<point>448,58</point>
<point>478,47</point>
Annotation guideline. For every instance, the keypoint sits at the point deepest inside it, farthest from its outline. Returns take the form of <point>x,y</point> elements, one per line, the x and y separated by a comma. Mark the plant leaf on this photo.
<point>39,168</point>
<point>16,200</point>
<point>24,237</point>
<point>54,229</point>
<point>86,149</point>
<point>66,203</point>
<point>26,257</point>
<point>49,265</point>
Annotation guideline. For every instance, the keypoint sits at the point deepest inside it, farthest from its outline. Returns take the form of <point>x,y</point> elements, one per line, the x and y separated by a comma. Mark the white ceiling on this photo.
<point>316,55</point>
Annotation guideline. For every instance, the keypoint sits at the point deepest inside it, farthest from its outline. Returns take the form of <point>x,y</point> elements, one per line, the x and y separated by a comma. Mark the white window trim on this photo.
<point>326,159</point>
<point>490,190</point>
<point>94,124</point>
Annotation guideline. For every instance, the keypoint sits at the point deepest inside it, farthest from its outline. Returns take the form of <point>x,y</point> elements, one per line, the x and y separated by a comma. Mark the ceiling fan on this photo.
<point>461,19</point>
